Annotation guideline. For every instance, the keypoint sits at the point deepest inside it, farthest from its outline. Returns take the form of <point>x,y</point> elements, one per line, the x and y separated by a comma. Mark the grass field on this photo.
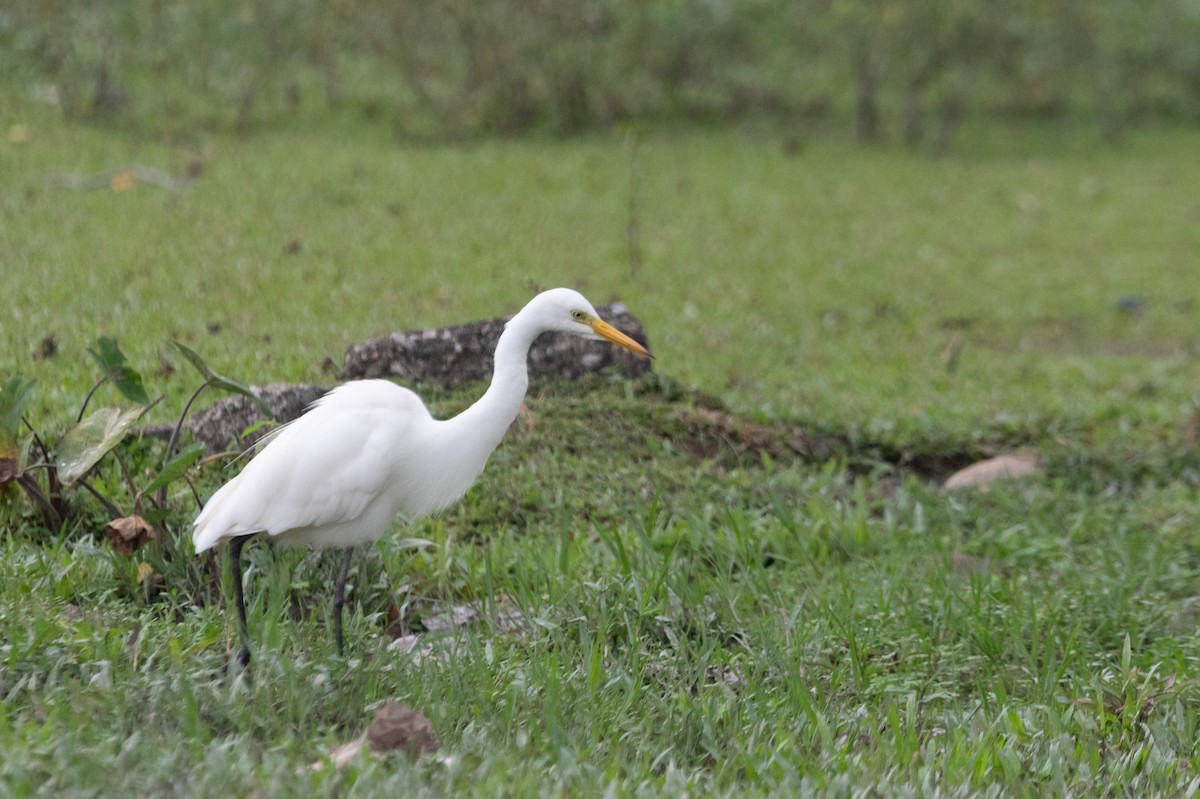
<point>709,608</point>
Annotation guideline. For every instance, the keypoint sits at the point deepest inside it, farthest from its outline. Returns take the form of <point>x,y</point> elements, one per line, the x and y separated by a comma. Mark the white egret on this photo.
<point>370,450</point>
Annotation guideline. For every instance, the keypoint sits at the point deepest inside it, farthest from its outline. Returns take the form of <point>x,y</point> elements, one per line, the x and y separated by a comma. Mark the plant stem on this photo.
<point>50,514</point>
<point>88,398</point>
<point>113,509</point>
<point>162,492</point>
<point>137,495</point>
<point>38,440</point>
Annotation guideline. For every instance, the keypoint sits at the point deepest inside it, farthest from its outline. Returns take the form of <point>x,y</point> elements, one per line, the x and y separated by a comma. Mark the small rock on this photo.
<point>980,475</point>
<point>459,354</point>
<point>394,726</point>
<point>224,422</point>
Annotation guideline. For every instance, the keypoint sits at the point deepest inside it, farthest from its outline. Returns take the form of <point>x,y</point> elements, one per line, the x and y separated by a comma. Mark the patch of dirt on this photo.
<point>711,434</point>
<point>708,434</point>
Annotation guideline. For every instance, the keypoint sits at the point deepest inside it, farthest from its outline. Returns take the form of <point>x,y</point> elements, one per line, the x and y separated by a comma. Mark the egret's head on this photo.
<point>569,311</point>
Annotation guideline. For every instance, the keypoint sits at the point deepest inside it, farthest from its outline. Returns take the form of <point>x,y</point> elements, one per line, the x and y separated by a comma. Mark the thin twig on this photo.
<point>195,493</point>
<point>137,495</point>
<point>113,509</point>
<point>38,440</point>
<point>53,486</point>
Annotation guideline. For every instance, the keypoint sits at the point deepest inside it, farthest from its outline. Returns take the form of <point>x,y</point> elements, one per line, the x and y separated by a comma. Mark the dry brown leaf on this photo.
<point>10,457</point>
<point>122,181</point>
<point>9,469</point>
<point>445,631</point>
<point>980,475</point>
<point>129,534</point>
<point>506,618</point>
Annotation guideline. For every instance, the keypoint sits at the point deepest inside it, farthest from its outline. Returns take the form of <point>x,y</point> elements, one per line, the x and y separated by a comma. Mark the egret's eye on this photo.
<point>579,316</point>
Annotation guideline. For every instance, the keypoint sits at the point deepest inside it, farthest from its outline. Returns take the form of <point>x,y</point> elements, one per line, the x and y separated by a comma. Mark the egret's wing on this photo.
<point>322,469</point>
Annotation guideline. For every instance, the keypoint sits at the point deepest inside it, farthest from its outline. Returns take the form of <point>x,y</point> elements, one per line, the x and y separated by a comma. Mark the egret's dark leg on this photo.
<point>339,599</point>
<point>235,565</point>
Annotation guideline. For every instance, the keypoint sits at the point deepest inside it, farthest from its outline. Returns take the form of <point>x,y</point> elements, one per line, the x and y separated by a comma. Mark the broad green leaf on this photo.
<point>176,467</point>
<point>194,358</point>
<point>218,380</point>
<point>90,440</point>
<point>14,395</point>
<point>118,371</point>
<point>225,384</point>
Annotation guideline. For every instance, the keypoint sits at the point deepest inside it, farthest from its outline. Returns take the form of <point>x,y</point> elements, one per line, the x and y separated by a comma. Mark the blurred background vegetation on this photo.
<point>899,70</point>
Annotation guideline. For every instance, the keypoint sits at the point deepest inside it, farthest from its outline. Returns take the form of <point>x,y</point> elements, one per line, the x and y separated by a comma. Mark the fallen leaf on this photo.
<point>128,534</point>
<point>10,457</point>
<point>445,630</point>
<point>980,475</point>
<point>405,643</point>
<point>122,181</point>
<point>506,618</point>
<point>459,616</point>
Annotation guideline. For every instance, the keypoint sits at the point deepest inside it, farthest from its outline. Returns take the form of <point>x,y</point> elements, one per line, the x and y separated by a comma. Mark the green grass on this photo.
<point>822,286</point>
<point>710,611</point>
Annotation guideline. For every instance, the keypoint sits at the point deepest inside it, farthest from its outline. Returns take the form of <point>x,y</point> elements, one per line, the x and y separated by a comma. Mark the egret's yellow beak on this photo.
<point>606,331</point>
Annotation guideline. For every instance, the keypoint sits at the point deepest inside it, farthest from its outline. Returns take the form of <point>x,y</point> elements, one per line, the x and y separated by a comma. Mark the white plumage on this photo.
<point>369,451</point>
<point>340,473</point>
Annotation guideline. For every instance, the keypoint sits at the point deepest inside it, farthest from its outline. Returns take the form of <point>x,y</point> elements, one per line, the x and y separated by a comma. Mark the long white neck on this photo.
<point>481,426</point>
